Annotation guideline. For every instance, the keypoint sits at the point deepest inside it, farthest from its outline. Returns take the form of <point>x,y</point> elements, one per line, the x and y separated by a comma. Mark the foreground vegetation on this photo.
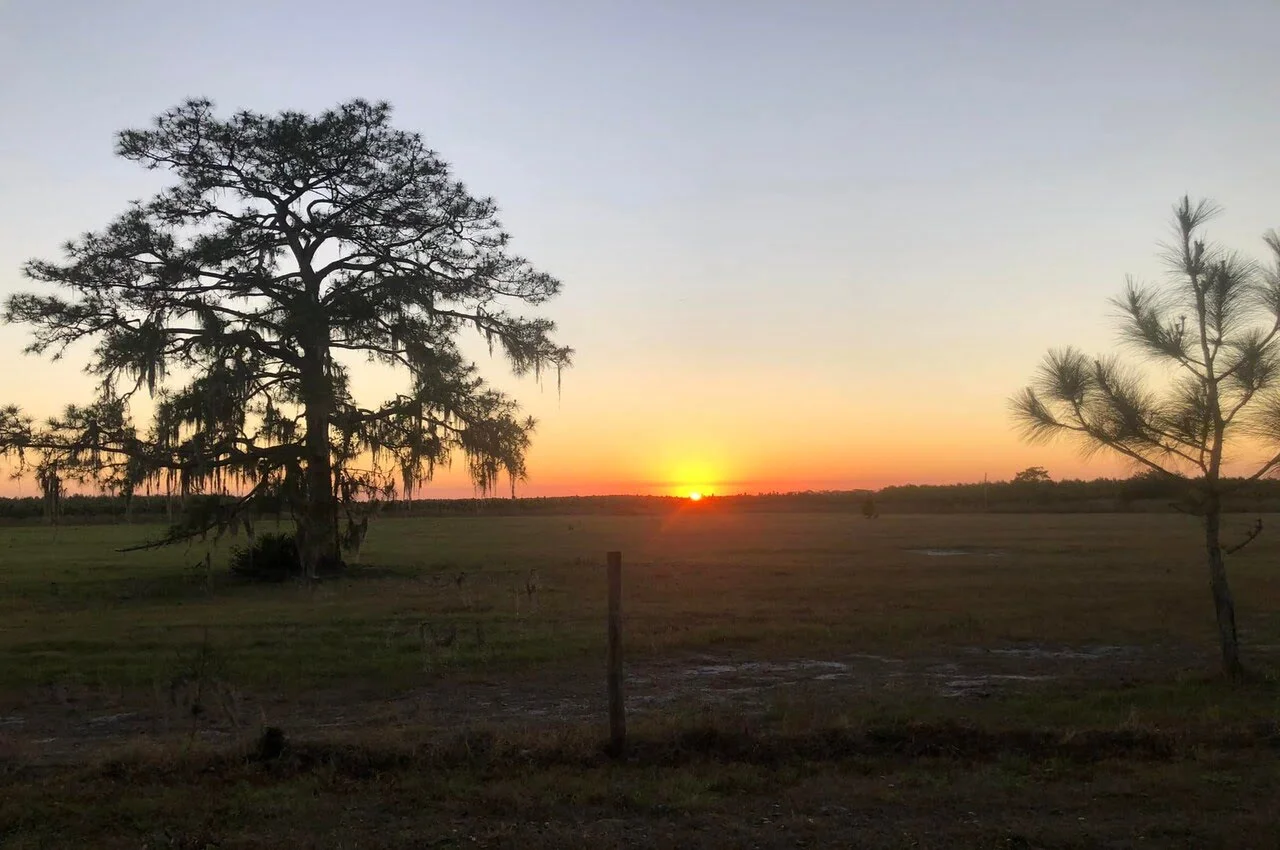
<point>698,786</point>
<point>395,739</point>
<point>77,610</point>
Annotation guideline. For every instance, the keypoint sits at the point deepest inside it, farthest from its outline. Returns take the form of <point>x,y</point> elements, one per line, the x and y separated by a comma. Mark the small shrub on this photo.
<point>268,557</point>
<point>869,509</point>
<point>271,744</point>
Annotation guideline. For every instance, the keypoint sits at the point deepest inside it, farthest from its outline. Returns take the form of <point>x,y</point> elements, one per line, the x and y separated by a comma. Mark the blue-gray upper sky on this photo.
<point>816,243</point>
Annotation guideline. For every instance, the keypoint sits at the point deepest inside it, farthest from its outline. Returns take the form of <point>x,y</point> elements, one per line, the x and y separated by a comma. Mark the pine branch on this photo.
<point>1252,535</point>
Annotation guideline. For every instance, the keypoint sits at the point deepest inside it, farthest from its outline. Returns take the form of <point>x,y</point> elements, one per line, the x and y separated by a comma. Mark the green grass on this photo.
<point>1165,755</point>
<point>74,609</point>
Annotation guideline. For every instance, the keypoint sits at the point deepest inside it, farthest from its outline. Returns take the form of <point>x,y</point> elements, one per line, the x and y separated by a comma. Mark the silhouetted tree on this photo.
<point>288,245</point>
<point>1214,324</point>
<point>1032,475</point>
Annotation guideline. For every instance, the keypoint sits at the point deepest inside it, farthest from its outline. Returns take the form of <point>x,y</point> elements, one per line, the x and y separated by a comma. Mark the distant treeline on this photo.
<point>1142,493</point>
<point>1101,495</point>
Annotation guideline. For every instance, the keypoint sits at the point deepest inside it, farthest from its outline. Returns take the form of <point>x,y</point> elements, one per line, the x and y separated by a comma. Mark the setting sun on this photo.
<point>695,496</point>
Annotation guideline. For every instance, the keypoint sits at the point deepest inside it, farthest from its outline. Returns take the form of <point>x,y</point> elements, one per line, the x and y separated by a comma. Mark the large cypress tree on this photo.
<point>237,297</point>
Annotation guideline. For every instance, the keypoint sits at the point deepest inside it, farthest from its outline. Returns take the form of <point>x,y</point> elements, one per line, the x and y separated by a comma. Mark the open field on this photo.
<point>794,680</point>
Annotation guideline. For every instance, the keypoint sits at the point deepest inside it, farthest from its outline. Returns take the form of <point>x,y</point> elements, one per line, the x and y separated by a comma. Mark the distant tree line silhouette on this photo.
<point>1141,493</point>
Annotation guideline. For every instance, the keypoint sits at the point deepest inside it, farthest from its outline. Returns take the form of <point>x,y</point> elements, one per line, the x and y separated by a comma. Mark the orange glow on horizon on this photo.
<point>694,473</point>
<point>693,490</point>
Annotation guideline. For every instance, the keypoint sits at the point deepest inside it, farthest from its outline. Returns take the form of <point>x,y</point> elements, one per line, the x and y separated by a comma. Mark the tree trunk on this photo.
<point>318,520</point>
<point>1223,604</point>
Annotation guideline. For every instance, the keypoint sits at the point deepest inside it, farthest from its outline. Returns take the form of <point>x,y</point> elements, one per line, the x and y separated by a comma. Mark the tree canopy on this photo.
<point>1032,475</point>
<point>289,247</point>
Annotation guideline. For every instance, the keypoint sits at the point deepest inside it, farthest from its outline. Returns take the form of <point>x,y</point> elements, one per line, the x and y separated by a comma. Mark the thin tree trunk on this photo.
<point>1223,604</point>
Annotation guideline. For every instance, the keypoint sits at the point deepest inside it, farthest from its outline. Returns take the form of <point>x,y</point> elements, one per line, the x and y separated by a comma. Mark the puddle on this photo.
<point>948,679</point>
<point>951,553</point>
<point>983,685</point>
<point>766,668</point>
<point>715,678</point>
<point>1082,653</point>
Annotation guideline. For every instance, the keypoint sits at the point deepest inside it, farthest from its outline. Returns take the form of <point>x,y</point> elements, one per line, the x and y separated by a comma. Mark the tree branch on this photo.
<point>1253,535</point>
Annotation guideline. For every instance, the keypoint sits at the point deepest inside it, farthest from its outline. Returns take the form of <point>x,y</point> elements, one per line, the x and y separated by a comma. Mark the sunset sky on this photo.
<point>803,244</point>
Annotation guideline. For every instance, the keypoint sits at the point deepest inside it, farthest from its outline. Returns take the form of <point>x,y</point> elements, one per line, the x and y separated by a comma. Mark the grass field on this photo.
<point>795,680</point>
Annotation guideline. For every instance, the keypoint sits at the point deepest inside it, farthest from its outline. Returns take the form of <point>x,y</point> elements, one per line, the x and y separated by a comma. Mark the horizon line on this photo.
<point>635,495</point>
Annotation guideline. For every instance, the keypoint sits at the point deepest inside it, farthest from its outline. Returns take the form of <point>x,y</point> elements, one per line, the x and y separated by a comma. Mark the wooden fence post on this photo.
<point>617,708</point>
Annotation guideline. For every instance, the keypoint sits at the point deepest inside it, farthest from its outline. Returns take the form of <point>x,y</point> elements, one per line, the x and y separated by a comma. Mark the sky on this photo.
<point>804,245</point>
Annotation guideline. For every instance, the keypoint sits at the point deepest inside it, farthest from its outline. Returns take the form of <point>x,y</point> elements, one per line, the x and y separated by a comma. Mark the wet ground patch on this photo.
<point>738,683</point>
<point>956,552</point>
